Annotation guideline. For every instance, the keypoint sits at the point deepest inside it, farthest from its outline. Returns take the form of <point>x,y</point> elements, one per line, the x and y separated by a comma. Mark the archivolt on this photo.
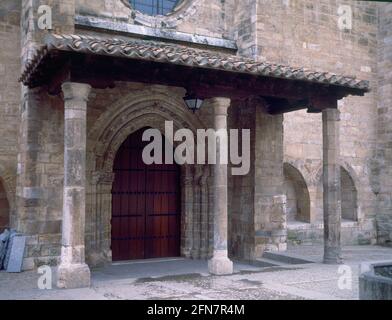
<point>145,108</point>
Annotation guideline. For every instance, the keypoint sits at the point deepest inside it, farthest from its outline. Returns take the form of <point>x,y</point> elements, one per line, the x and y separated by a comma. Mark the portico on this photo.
<point>258,93</point>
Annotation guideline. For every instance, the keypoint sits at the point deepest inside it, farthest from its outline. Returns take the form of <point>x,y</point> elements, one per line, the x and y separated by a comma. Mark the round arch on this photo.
<point>183,10</point>
<point>298,199</point>
<point>350,193</point>
<point>349,196</point>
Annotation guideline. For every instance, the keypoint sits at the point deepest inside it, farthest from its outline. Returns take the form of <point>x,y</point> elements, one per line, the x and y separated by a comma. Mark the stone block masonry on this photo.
<point>383,158</point>
<point>9,107</point>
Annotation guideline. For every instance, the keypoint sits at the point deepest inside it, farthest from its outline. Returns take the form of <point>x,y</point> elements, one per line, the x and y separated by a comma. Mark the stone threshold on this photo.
<point>143,261</point>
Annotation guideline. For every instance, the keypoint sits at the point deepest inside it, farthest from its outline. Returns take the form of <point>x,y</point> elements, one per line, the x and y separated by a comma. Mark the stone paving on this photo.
<point>181,279</point>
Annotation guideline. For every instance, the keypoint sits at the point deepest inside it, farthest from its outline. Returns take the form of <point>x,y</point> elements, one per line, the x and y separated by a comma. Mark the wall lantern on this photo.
<point>193,102</point>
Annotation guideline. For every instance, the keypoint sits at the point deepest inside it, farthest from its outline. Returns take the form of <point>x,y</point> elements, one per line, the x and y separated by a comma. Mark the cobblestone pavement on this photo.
<point>181,279</point>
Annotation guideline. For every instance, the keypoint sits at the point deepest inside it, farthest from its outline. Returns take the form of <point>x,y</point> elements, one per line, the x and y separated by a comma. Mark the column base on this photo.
<point>195,254</point>
<point>220,264</point>
<point>72,276</point>
<point>332,258</point>
<point>99,259</point>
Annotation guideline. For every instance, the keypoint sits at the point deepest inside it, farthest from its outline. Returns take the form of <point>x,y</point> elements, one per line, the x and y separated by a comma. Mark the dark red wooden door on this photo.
<point>146,212</point>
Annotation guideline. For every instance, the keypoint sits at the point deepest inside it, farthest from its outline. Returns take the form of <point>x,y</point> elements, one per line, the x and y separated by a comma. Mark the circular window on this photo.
<point>155,7</point>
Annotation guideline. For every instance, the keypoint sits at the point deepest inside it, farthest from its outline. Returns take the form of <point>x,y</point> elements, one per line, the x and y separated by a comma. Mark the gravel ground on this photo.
<point>189,280</point>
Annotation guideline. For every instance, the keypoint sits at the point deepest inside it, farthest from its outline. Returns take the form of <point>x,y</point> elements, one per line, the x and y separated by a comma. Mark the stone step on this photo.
<point>284,258</point>
<point>266,263</point>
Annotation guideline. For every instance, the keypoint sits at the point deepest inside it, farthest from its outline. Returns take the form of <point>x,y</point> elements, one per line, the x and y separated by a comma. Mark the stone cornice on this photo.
<point>162,34</point>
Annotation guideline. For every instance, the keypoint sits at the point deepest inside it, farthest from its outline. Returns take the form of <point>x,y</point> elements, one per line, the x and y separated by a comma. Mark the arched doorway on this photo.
<point>146,205</point>
<point>4,209</point>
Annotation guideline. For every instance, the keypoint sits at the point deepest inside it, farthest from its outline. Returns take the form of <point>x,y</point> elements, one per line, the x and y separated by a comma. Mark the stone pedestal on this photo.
<point>220,264</point>
<point>73,272</point>
<point>72,276</point>
<point>332,186</point>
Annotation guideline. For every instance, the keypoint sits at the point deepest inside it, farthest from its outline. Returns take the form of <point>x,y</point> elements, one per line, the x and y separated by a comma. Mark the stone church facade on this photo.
<point>316,98</point>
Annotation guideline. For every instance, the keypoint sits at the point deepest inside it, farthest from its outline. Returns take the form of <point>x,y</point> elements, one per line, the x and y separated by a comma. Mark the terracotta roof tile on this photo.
<point>182,55</point>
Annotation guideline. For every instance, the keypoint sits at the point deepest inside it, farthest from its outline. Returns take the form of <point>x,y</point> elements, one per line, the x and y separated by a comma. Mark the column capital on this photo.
<point>331,114</point>
<point>220,105</point>
<point>76,91</point>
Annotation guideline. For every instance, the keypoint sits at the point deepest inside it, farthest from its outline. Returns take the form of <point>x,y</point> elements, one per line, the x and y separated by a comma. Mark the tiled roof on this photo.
<point>185,56</point>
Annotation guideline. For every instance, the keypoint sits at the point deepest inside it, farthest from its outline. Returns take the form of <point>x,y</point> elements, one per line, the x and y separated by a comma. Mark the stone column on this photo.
<point>187,209</point>
<point>196,224</point>
<point>332,187</point>
<point>220,264</point>
<point>73,272</point>
<point>204,210</point>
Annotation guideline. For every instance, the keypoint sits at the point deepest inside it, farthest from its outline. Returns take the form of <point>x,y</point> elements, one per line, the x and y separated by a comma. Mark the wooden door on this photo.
<point>146,209</point>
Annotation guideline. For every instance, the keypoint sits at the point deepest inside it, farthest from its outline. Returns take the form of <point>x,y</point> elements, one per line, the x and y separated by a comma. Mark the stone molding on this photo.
<point>184,10</point>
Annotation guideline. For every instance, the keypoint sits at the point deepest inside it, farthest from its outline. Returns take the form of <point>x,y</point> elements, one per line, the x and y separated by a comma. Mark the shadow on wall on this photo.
<point>4,208</point>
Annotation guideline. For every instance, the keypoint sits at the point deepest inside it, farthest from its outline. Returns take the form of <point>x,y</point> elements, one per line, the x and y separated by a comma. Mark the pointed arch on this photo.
<point>150,107</point>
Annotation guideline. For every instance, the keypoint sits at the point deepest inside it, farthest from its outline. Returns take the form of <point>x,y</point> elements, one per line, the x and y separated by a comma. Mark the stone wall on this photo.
<point>257,207</point>
<point>9,106</point>
<point>243,27</point>
<point>305,33</point>
<point>352,233</point>
<point>270,221</point>
<point>383,161</point>
<point>40,145</point>
<point>241,188</point>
